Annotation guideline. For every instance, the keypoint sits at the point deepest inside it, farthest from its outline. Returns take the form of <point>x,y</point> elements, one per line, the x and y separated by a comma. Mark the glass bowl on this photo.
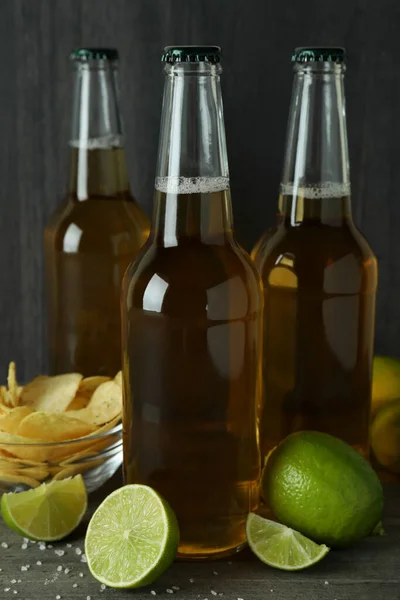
<point>96,457</point>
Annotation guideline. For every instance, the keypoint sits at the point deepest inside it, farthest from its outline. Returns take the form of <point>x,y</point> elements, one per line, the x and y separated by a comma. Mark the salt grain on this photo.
<point>88,598</point>
<point>69,545</point>
<point>153,593</point>
<point>75,585</point>
<point>191,580</point>
<point>13,581</point>
<point>83,558</point>
<point>24,546</point>
<point>59,552</point>
<point>59,568</point>
<point>58,597</point>
<point>215,573</point>
<point>78,551</point>
<point>19,580</point>
<point>66,571</point>
<point>49,545</point>
<point>6,589</point>
<point>4,545</point>
<point>102,587</point>
<point>326,582</point>
<point>175,587</point>
<point>169,591</point>
<point>80,574</point>
<point>214,593</point>
<point>24,569</point>
<point>15,592</point>
<point>39,563</point>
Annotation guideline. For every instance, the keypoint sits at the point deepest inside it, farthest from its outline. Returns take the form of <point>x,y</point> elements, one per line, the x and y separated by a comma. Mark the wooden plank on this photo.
<point>369,571</point>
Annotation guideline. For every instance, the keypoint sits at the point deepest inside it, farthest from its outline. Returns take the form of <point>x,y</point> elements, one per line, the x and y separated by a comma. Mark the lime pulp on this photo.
<point>281,547</point>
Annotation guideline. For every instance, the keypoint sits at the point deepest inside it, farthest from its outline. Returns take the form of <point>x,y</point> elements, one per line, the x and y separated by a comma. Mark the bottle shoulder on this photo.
<point>183,277</point>
<point>111,224</point>
<point>334,258</point>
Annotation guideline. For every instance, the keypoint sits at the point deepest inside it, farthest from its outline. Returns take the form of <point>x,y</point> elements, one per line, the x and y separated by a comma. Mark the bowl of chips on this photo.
<point>56,427</point>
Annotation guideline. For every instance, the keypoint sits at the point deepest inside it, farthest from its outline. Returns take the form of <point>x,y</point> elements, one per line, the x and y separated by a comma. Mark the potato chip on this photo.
<point>53,427</point>
<point>118,379</point>
<point>12,384</point>
<point>4,398</point>
<point>78,403</point>
<point>10,421</point>
<point>24,448</point>
<point>21,479</point>
<point>83,454</point>
<point>51,394</point>
<point>6,467</point>
<point>39,473</point>
<point>20,462</point>
<point>72,470</point>
<point>104,405</point>
<point>89,384</point>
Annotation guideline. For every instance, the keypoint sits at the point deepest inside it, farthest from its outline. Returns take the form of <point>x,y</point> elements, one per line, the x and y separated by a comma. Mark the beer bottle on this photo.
<point>192,308</point>
<point>318,271</point>
<point>97,230</point>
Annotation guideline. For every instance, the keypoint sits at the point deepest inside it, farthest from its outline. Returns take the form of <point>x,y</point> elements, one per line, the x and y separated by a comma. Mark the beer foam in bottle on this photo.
<point>98,143</point>
<point>191,185</point>
<point>318,191</point>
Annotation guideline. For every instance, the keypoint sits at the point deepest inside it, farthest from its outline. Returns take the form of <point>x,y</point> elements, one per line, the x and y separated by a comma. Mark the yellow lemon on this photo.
<point>385,382</point>
<point>385,436</point>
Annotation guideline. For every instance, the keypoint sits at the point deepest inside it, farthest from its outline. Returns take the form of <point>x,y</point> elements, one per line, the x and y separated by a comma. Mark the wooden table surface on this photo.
<point>370,571</point>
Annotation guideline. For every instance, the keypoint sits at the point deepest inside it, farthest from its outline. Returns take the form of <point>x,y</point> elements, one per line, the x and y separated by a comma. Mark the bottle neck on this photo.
<point>97,155</point>
<point>192,197</point>
<point>316,182</point>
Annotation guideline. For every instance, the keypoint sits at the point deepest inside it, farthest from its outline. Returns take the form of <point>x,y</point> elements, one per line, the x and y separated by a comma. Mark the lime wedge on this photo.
<point>132,538</point>
<point>281,547</point>
<point>47,513</point>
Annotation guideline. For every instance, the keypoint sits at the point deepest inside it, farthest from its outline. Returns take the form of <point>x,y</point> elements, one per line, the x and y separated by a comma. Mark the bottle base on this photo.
<point>198,555</point>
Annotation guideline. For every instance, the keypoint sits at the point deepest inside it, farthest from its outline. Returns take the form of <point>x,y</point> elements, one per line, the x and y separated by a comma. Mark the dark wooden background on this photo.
<point>257,37</point>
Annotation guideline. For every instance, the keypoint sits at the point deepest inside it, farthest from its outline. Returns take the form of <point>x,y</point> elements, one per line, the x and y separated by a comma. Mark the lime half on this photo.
<point>281,547</point>
<point>47,513</point>
<point>132,538</point>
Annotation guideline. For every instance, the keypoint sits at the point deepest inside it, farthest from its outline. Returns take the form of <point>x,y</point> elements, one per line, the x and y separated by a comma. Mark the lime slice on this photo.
<point>281,547</point>
<point>47,513</point>
<point>132,538</point>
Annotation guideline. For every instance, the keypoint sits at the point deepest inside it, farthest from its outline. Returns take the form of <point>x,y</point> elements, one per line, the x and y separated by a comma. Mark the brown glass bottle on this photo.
<point>192,307</point>
<point>94,234</point>
<point>319,274</point>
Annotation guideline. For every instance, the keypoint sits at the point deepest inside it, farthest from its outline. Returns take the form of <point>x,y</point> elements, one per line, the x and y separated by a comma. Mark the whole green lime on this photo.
<point>320,486</point>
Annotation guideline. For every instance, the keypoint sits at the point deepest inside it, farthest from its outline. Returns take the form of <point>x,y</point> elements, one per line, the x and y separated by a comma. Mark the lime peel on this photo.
<point>132,538</point>
<point>281,547</point>
<point>47,513</point>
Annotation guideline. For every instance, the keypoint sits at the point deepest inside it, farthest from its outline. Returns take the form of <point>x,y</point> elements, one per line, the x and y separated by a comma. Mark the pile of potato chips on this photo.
<point>56,427</point>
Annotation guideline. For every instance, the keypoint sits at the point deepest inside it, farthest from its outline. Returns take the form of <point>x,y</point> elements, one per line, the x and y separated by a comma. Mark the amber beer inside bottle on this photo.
<point>191,330</point>
<point>97,230</point>
<point>319,275</point>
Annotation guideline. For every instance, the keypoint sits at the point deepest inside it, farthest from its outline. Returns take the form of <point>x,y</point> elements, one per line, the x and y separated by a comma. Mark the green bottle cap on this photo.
<point>86,54</point>
<point>319,54</point>
<point>175,54</point>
